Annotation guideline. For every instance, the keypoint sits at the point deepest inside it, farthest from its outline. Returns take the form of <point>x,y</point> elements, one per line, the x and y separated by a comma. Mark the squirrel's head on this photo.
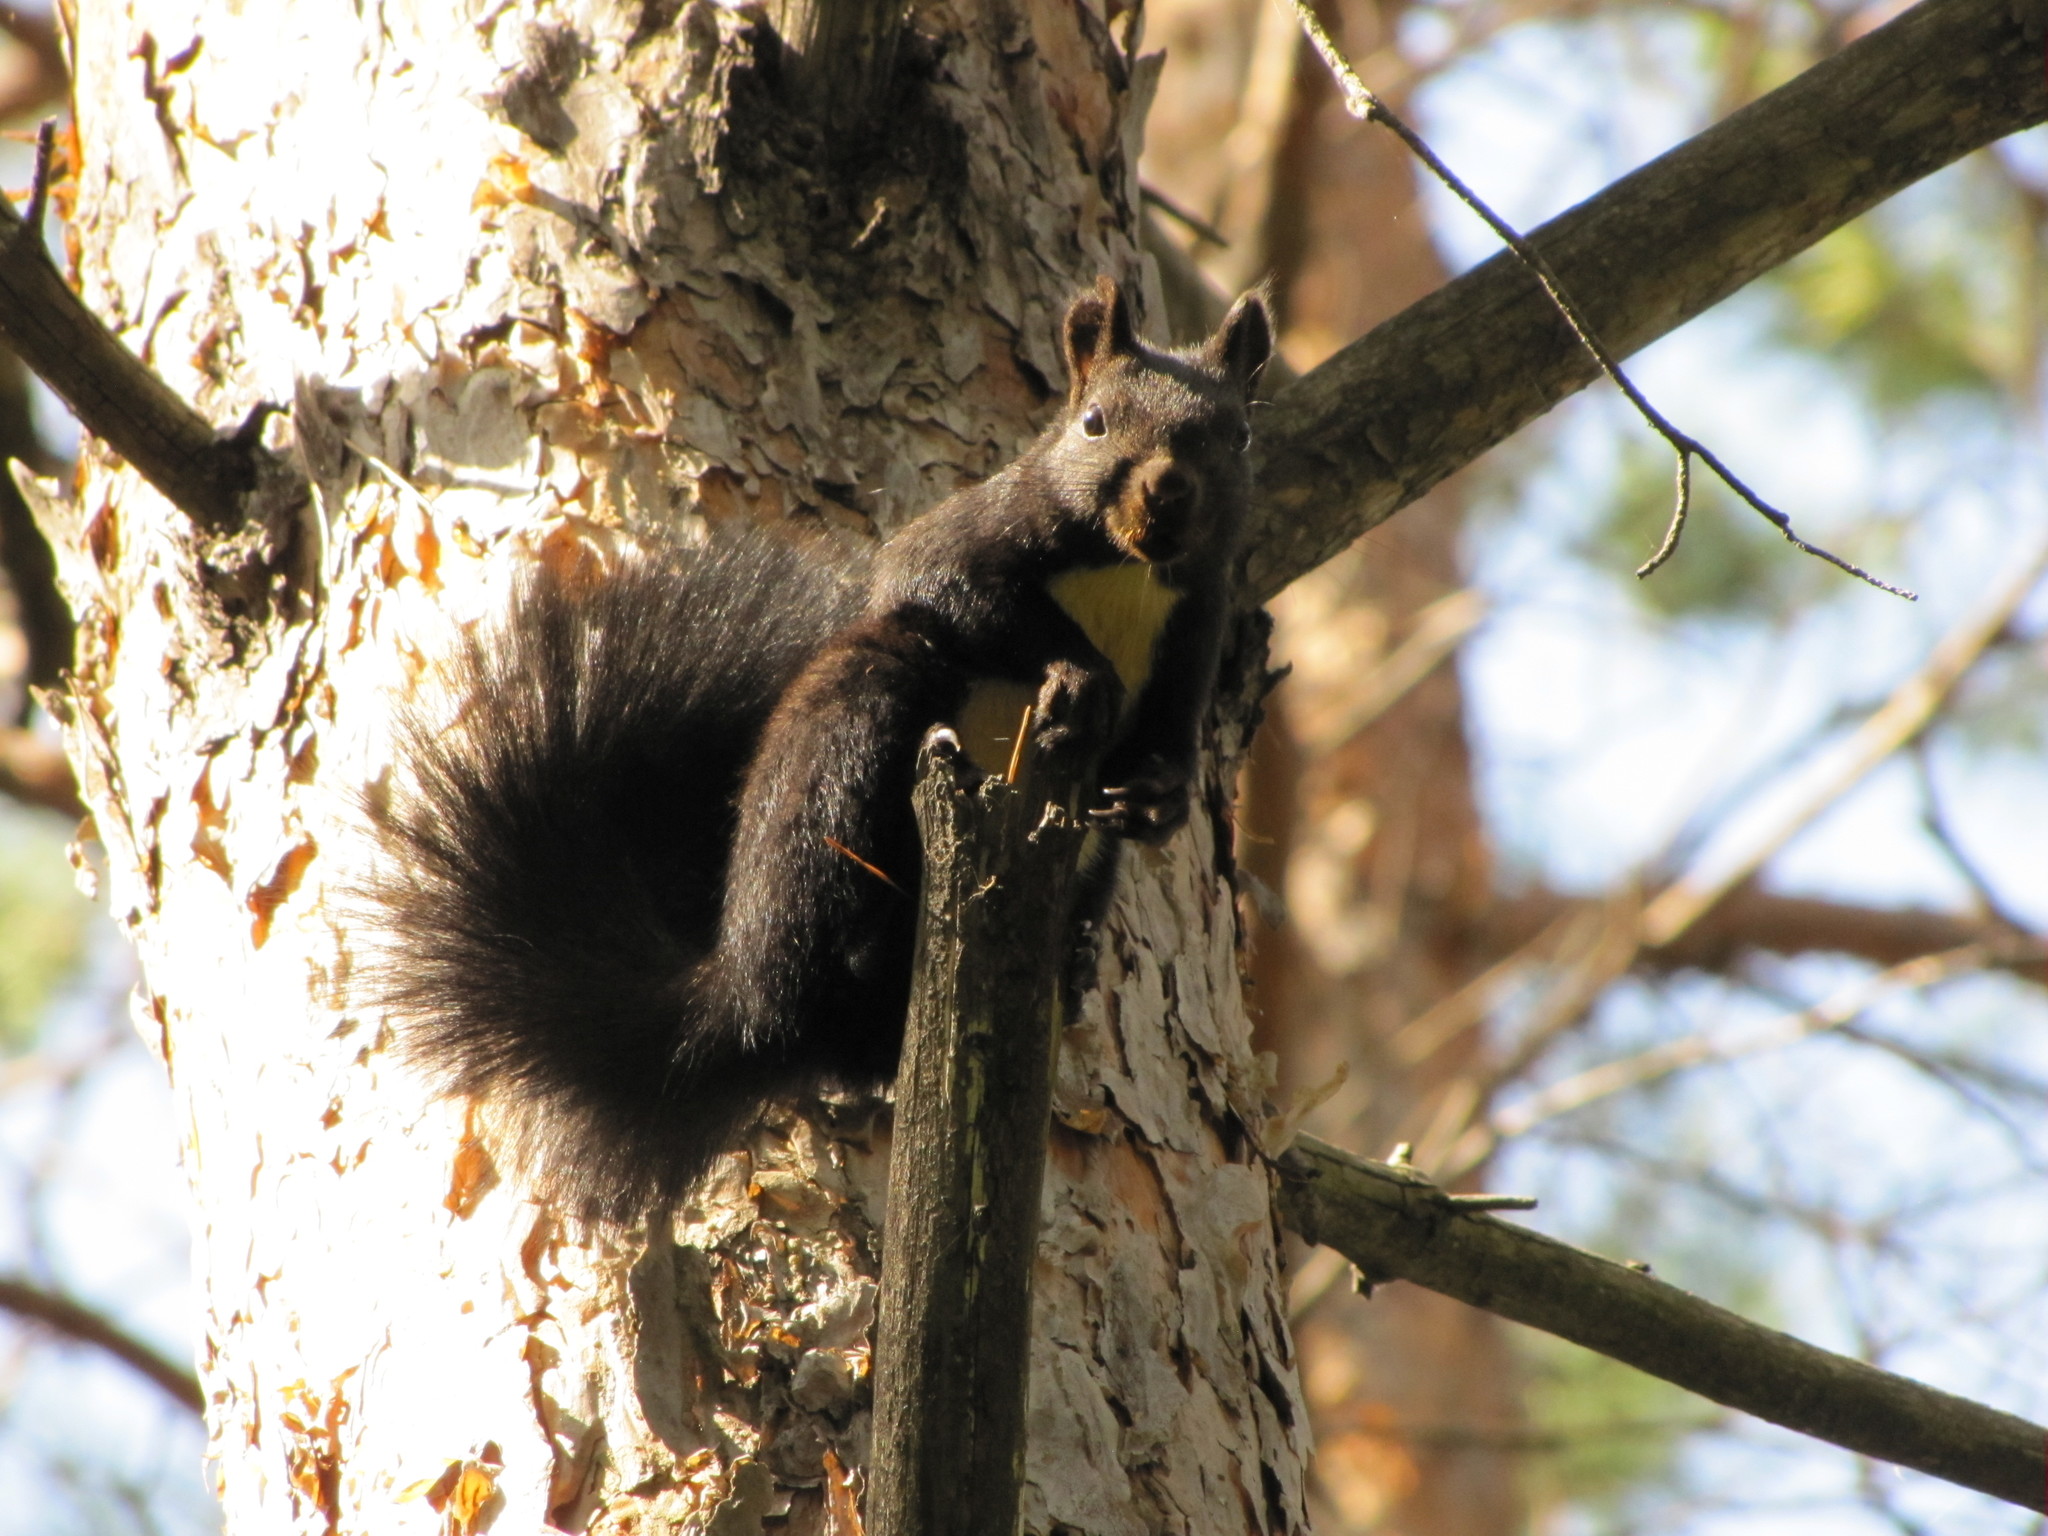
<point>1154,440</point>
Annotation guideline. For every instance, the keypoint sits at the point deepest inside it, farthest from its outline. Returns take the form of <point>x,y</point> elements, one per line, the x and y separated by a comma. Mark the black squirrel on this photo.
<point>662,865</point>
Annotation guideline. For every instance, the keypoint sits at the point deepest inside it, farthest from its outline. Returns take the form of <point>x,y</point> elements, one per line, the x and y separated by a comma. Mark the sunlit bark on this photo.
<point>518,265</point>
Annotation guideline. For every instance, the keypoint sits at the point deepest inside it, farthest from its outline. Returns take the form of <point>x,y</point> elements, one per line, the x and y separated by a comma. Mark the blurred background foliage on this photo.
<point>43,920</point>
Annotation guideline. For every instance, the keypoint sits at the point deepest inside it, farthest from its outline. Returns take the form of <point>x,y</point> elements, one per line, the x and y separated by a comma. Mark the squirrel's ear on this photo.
<point>1098,327</point>
<point>1244,341</point>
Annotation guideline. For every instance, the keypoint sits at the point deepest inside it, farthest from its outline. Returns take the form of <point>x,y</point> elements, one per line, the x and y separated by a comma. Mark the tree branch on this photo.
<point>1750,920</point>
<point>1434,387</point>
<point>112,393</point>
<point>973,1109</point>
<point>40,609</point>
<point>81,1324</point>
<point>1394,1224</point>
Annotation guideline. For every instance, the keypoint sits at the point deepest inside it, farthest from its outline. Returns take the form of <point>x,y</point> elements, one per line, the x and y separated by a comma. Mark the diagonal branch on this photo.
<point>81,1324</point>
<point>1395,1225</point>
<point>1437,385</point>
<point>112,392</point>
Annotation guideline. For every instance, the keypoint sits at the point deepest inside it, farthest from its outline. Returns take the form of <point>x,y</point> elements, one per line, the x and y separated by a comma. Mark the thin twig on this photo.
<point>39,188</point>
<point>880,874</point>
<point>1674,1056</point>
<point>1361,102</point>
<point>1193,222</point>
<point>1439,630</point>
<point>1902,717</point>
<point>1675,530</point>
<point>1934,818</point>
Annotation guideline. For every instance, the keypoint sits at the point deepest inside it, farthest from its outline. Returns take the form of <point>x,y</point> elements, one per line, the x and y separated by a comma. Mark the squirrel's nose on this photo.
<point>1167,487</point>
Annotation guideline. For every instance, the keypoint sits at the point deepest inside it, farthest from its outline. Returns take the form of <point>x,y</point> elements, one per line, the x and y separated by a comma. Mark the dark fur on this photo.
<point>566,941</point>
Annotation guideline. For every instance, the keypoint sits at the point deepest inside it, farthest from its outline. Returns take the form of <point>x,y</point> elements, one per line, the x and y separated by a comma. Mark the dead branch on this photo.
<point>1395,1225</point>
<point>966,1167</point>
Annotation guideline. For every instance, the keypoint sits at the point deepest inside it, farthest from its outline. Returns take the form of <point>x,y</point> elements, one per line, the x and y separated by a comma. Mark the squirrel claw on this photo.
<point>1149,809</point>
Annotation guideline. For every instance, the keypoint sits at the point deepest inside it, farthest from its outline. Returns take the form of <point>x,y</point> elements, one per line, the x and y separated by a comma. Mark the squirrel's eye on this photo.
<point>1243,440</point>
<point>1093,422</point>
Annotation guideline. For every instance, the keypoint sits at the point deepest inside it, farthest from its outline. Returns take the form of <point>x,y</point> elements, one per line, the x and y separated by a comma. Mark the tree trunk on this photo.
<point>511,271</point>
<point>1373,835</point>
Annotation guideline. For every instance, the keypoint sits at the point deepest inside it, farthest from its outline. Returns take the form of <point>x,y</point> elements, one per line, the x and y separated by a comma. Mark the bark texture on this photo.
<point>1373,835</point>
<point>974,1111</point>
<point>512,267</point>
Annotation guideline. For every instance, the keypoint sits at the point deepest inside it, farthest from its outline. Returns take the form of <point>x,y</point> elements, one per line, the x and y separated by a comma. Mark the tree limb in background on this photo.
<point>82,1325</point>
<point>1588,953</point>
<point>44,80</point>
<point>1912,705</point>
<point>1363,104</point>
<point>1836,1012</point>
<point>1438,631</point>
<point>35,771</point>
<point>1750,920</point>
<point>1395,1225</point>
<point>1434,387</point>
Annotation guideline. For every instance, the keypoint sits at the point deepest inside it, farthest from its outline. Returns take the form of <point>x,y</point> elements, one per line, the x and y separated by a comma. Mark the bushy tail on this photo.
<point>559,853</point>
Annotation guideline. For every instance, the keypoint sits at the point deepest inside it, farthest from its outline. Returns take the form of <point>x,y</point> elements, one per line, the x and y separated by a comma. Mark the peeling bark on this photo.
<point>513,266</point>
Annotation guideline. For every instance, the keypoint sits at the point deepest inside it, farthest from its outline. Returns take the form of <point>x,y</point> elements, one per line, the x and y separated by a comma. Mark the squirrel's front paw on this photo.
<point>1150,806</point>
<point>1074,706</point>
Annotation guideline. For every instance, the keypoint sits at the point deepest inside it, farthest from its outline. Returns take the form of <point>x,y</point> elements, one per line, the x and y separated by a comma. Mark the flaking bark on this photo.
<point>973,1107</point>
<point>518,276</point>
